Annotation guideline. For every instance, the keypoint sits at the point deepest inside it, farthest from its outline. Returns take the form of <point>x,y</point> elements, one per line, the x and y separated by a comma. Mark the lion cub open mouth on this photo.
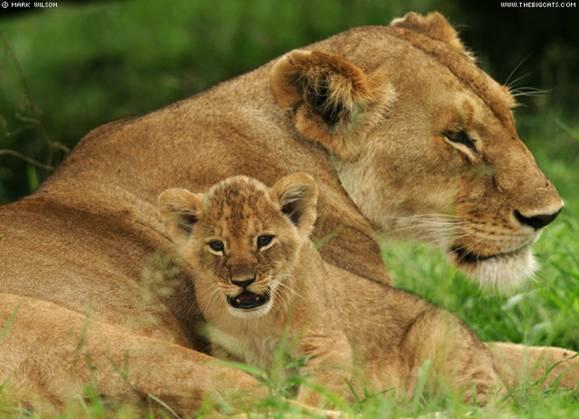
<point>248,300</point>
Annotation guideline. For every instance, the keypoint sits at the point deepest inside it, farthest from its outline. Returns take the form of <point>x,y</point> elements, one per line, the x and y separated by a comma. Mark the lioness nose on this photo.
<point>244,283</point>
<point>537,221</point>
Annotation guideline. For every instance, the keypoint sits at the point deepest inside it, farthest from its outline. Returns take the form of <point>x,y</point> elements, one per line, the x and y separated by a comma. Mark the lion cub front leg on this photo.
<point>328,365</point>
<point>458,360</point>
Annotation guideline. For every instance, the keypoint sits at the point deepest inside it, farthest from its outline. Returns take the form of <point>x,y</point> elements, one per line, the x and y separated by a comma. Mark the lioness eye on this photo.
<point>217,246</point>
<point>460,137</point>
<point>264,240</point>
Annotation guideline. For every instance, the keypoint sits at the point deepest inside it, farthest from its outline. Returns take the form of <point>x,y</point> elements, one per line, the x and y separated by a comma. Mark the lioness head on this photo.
<point>423,141</point>
<point>241,237</point>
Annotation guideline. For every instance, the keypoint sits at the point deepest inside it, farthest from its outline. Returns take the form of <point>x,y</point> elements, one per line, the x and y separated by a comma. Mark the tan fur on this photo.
<point>85,242</point>
<point>318,86</point>
<point>433,25</point>
<point>120,365</point>
<point>347,331</point>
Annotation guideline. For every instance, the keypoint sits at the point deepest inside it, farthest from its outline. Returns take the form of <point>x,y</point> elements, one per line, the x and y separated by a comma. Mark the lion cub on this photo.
<point>259,279</point>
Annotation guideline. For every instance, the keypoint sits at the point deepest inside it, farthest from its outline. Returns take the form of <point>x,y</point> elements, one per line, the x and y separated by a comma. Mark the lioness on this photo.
<point>260,278</point>
<point>395,123</point>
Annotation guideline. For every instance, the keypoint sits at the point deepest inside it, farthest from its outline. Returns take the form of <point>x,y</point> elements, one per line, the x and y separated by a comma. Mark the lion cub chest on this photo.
<point>252,341</point>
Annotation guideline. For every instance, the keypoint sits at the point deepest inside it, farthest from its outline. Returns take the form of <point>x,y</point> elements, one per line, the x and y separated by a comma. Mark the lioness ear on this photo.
<point>334,101</point>
<point>434,25</point>
<point>179,210</point>
<point>297,195</point>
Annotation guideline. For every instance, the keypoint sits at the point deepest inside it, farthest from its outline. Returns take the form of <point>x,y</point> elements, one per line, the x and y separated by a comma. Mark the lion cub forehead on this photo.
<point>237,202</point>
<point>237,190</point>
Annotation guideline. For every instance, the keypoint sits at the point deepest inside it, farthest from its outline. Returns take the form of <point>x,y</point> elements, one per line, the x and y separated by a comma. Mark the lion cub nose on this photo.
<point>537,221</point>
<point>244,283</point>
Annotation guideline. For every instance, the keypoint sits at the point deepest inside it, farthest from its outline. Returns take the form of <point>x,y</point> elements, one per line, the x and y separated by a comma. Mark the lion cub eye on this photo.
<point>264,240</point>
<point>460,137</point>
<point>216,246</point>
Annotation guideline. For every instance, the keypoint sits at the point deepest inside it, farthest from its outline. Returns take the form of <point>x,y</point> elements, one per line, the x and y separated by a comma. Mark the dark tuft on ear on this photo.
<point>187,221</point>
<point>179,210</point>
<point>332,99</point>
<point>297,195</point>
<point>321,103</point>
<point>291,203</point>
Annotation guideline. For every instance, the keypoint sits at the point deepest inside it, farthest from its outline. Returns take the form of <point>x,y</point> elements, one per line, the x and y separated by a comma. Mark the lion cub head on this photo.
<point>241,237</point>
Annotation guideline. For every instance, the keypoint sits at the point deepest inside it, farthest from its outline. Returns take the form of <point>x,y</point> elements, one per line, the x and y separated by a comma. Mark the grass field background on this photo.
<point>66,71</point>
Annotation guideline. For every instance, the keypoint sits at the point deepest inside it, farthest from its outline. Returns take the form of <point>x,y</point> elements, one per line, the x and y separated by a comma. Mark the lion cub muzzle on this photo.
<point>244,276</point>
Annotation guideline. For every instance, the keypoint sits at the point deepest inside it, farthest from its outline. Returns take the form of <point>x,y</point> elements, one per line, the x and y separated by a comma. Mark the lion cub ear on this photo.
<point>179,210</point>
<point>297,195</point>
<point>334,102</point>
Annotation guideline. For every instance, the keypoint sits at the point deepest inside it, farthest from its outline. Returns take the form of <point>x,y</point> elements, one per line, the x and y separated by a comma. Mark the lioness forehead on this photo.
<point>237,204</point>
<point>496,97</point>
<point>461,65</point>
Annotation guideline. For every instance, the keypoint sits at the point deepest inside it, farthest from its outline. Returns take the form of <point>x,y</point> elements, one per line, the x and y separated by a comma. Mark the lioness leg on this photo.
<point>517,364</point>
<point>456,358</point>
<point>49,354</point>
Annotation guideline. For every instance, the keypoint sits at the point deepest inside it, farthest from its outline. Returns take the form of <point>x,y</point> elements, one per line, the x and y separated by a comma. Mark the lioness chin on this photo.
<point>259,280</point>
